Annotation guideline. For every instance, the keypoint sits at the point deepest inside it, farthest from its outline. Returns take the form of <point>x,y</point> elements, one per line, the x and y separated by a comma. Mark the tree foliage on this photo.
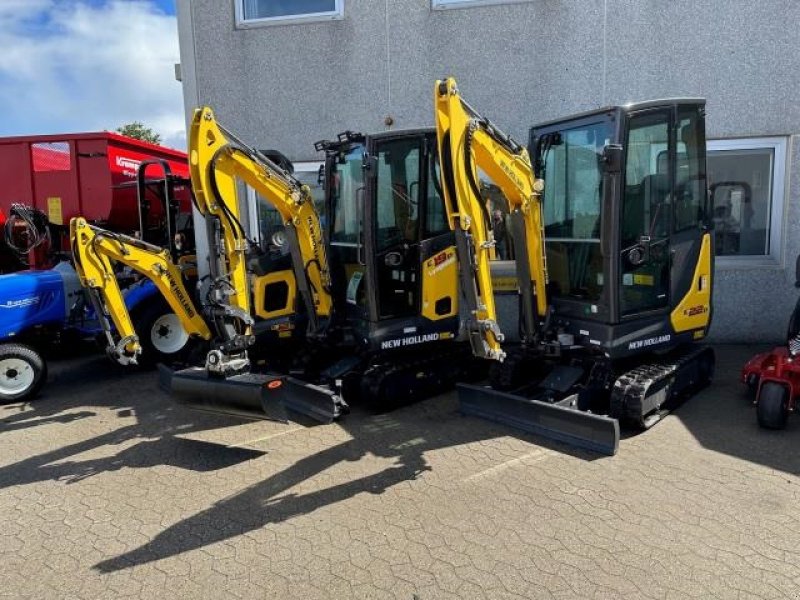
<point>138,131</point>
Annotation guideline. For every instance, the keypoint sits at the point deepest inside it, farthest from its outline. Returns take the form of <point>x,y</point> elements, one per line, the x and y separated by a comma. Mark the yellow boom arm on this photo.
<point>217,159</point>
<point>95,250</point>
<point>468,142</point>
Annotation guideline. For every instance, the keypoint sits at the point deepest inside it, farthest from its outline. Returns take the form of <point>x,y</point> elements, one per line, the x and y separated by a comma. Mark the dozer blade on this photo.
<point>251,395</point>
<point>585,430</point>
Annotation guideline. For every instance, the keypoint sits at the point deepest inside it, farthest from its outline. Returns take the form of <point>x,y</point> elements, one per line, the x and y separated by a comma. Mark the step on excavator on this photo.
<point>610,311</point>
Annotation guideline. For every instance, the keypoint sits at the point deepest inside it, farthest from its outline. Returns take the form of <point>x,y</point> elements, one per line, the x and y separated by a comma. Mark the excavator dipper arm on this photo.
<point>469,142</point>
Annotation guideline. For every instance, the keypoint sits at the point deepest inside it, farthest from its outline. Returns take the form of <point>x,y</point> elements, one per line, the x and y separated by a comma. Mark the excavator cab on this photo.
<point>629,256</point>
<point>626,216</point>
<point>393,263</point>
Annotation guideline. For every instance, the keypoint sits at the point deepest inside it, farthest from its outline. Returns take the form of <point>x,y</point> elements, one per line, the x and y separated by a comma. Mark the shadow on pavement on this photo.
<point>95,382</point>
<point>403,436</point>
<point>15,423</point>
<point>723,418</point>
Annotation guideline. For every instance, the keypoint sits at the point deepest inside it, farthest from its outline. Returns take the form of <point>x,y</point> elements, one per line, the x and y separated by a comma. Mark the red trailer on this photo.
<point>84,174</point>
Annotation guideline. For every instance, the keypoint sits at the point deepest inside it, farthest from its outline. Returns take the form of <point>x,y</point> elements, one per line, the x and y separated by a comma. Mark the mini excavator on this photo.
<point>613,269</point>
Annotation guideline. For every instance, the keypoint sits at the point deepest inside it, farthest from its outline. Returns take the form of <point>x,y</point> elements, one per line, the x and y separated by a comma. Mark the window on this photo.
<point>436,217</point>
<point>398,194</point>
<point>645,215</point>
<point>347,181</point>
<point>746,183</point>
<point>690,197</point>
<point>570,164</point>
<point>445,4</point>
<point>281,12</point>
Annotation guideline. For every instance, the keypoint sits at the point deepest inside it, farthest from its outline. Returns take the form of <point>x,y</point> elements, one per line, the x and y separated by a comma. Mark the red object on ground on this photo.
<point>778,366</point>
<point>83,174</point>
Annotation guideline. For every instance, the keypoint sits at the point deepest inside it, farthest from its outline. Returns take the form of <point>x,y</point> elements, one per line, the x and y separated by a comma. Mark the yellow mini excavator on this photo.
<point>621,206</point>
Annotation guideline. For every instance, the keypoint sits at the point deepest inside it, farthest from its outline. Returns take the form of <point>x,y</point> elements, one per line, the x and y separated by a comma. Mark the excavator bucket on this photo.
<point>597,433</point>
<point>251,395</point>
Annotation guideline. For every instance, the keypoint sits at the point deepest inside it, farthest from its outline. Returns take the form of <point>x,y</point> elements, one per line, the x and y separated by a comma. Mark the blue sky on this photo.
<point>88,65</point>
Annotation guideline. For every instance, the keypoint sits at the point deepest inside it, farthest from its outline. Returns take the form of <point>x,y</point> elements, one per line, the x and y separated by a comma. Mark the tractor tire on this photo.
<point>23,372</point>
<point>772,405</point>
<point>161,335</point>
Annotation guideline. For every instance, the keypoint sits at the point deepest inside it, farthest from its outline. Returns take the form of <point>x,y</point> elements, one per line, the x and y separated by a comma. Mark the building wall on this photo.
<point>287,86</point>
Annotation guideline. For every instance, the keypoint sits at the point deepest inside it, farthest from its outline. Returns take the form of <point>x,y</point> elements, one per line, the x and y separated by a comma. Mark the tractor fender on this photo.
<point>29,299</point>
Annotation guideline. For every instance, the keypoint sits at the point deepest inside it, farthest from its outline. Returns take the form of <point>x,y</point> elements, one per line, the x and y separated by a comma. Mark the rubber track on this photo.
<point>632,388</point>
<point>374,377</point>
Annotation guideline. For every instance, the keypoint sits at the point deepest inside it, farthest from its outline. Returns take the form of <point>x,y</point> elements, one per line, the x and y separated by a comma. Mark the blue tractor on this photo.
<point>40,308</point>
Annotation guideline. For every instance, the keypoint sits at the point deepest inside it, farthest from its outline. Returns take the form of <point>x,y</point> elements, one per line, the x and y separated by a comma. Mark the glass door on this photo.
<point>397,226</point>
<point>646,215</point>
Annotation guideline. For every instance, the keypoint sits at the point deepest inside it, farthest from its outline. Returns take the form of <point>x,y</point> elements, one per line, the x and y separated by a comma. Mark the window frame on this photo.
<point>778,202</point>
<point>454,4</point>
<point>336,14</point>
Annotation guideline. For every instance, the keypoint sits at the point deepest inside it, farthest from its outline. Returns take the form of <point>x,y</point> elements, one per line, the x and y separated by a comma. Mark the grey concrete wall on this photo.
<point>288,86</point>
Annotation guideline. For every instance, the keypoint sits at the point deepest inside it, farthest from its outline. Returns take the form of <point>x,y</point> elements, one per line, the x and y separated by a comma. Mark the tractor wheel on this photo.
<point>772,405</point>
<point>161,335</point>
<point>23,372</point>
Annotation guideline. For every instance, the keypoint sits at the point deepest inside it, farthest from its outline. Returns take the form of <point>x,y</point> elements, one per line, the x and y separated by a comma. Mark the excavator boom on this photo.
<point>468,143</point>
<point>224,317</point>
<point>217,159</point>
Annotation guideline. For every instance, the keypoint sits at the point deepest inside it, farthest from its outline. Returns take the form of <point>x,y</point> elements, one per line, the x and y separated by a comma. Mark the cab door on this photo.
<point>397,165</point>
<point>646,214</point>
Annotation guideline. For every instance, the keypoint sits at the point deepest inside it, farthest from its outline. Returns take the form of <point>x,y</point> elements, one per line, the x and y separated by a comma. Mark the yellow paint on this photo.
<point>54,212</point>
<point>459,129</point>
<point>261,290</point>
<point>440,280</point>
<point>694,309</point>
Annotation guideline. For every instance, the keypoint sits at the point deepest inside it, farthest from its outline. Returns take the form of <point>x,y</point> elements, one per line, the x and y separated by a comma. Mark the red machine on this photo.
<point>775,376</point>
<point>93,175</point>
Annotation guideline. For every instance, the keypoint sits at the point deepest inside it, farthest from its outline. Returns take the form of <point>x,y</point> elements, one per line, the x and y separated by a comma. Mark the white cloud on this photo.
<point>73,66</point>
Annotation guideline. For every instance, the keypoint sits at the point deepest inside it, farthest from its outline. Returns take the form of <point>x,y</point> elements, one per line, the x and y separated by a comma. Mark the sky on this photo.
<point>89,65</point>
